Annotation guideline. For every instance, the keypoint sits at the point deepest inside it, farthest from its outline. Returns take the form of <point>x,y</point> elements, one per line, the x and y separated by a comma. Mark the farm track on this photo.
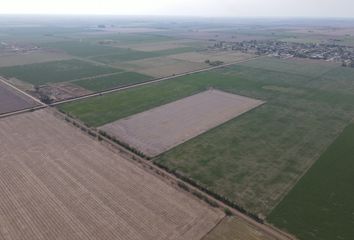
<point>149,82</point>
<point>272,231</point>
<point>40,104</point>
<point>265,228</point>
<point>23,92</point>
<point>97,76</point>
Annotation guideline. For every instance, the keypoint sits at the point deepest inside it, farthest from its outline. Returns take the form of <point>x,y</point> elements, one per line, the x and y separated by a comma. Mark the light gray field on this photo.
<point>31,57</point>
<point>160,129</point>
<point>162,66</point>
<point>57,183</point>
<point>11,100</point>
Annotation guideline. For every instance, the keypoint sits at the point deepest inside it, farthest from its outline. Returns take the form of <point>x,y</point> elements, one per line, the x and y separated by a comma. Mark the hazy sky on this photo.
<point>229,8</point>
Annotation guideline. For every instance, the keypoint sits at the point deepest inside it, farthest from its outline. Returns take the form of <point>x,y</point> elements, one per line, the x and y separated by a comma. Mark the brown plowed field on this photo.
<point>12,100</point>
<point>160,129</point>
<point>57,183</point>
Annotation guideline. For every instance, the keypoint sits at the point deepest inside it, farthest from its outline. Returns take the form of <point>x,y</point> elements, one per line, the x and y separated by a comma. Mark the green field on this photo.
<point>93,49</point>
<point>301,67</point>
<point>101,110</point>
<point>112,81</point>
<point>125,55</point>
<point>134,38</point>
<point>256,158</point>
<point>41,34</point>
<point>321,205</point>
<point>105,53</point>
<point>52,72</point>
<point>80,49</point>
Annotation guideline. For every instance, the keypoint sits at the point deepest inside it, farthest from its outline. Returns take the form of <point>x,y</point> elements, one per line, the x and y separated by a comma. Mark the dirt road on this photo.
<point>149,82</point>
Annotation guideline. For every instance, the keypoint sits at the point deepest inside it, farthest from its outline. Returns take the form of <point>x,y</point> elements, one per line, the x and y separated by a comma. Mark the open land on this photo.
<point>256,158</point>
<point>113,81</point>
<point>162,66</point>
<point>130,55</point>
<point>160,129</point>
<point>15,59</point>
<point>200,57</point>
<point>79,48</point>
<point>320,206</point>
<point>158,46</point>
<point>12,100</point>
<point>253,160</point>
<point>232,228</point>
<point>52,72</point>
<point>57,182</point>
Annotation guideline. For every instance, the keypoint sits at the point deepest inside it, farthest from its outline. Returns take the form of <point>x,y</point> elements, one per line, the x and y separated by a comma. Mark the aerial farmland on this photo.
<point>142,129</point>
<point>72,185</point>
<point>12,100</point>
<point>160,129</point>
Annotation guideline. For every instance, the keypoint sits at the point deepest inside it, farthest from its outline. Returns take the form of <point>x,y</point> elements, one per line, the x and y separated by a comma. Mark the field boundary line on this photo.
<point>4,115</point>
<point>288,190</point>
<point>93,77</point>
<point>218,224</point>
<point>171,178</point>
<point>23,92</point>
<point>157,80</point>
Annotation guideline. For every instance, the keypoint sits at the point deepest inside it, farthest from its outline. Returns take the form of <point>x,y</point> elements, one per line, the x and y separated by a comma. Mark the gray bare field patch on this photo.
<point>160,129</point>
<point>161,66</point>
<point>12,100</point>
<point>57,183</point>
<point>158,46</point>
<point>31,57</point>
<point>201,57</point>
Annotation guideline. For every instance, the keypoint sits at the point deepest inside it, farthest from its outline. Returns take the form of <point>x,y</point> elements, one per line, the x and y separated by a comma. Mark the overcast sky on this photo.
<point>209,8</point>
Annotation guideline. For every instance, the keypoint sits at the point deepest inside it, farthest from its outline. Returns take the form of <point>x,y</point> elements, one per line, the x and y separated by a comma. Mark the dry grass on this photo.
<point>57,183</point>
<point>158,130</point>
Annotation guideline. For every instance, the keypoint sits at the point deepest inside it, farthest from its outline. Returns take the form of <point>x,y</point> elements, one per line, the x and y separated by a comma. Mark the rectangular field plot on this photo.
<point>201,57</point>
<point>30,58</point>
<point>158,130</point>
<point>112,81</point>
<point>256,158</point>
<point>320,206</point>
<point>161,66</point>
<point>11,100</point>
<point>80,49</point>
<point>57,183</point>
<point>233,228</point>
<point>126,55</point>
<point>57,71</point>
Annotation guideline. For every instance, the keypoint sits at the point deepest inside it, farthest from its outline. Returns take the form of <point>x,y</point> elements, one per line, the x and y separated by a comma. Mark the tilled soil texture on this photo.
<point>12,100</point>
<point>160,129</point>
<point>58,183</point>
<point>61,91</point>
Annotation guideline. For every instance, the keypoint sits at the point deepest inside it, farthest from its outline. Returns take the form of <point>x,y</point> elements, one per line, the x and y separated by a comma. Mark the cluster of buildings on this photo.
<point>328,52</point>
<point>12,47</point>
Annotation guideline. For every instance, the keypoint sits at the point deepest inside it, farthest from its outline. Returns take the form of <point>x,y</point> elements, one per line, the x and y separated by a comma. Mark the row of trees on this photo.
<point>217,196</point>
<point>178,175</point>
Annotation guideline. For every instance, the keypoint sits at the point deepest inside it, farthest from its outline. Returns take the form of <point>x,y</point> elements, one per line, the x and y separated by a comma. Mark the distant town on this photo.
<point>328,52</point>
